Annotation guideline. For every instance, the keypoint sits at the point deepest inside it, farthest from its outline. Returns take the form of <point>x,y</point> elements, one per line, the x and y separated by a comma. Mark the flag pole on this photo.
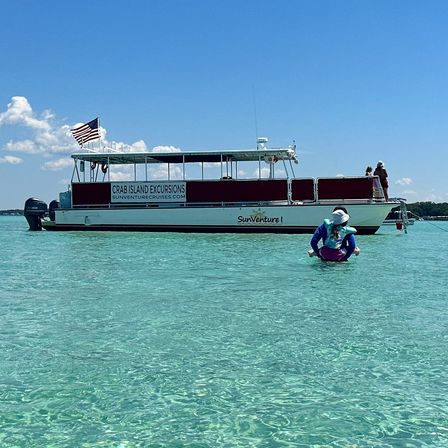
<point>99,132</point>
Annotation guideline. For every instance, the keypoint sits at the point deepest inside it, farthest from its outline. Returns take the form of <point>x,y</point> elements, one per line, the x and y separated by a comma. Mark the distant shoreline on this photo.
<point>11,212</point>
<point>435,218</point>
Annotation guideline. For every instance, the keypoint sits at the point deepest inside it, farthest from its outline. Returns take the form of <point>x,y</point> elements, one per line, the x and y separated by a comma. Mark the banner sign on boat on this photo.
<point>148,191</point>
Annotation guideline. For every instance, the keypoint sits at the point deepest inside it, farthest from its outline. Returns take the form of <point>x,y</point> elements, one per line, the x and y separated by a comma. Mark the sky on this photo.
<point>352,82</point>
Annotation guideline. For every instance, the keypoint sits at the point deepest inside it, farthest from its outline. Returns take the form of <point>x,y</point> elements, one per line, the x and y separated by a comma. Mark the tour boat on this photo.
<point>189,201</point>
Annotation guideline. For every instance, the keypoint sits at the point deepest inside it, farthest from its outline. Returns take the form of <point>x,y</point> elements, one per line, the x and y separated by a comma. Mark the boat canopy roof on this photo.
<point>249,155</point>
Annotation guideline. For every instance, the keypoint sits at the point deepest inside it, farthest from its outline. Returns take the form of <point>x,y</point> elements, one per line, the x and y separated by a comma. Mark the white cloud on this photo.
<point>161,172</point>
<point>264,172</point>
<point>11,160</point>
<point>404,181</point>
<point>210,164</point>
<point>435,196</point>
<point>23,146</point>
<point>280,173</point>
<point>47,137</point>
<point>121,175</point>
<point>138,146</point>
<point>57,165</point>
<point>19,111</point>
<point>409,192</point>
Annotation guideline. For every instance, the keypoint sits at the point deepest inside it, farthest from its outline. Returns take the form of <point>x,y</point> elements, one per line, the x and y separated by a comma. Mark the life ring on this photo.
<point>92,165</point>
<point>273,159</point>
<point>104,167</point>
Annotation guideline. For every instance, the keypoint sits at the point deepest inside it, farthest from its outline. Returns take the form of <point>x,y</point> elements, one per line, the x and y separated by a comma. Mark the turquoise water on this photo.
<point>148,340</point>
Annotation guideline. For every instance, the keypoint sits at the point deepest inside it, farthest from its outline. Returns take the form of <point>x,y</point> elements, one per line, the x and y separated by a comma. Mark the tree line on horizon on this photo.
<point>426,209</point>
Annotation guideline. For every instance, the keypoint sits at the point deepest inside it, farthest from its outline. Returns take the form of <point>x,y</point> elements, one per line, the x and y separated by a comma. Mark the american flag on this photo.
<point>86,132</point>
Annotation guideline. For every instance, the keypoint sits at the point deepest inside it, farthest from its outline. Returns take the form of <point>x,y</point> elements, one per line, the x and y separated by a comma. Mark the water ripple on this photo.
<point>138,340</point>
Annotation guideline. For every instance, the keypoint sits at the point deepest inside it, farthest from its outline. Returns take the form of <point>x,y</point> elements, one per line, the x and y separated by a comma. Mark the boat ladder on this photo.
<point>404,217</point>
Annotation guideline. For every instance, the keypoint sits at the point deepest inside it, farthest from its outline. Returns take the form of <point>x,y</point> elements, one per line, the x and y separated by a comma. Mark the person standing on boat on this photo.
<point>369,171</point>
<point>381,172</point>
<point>338,238</point>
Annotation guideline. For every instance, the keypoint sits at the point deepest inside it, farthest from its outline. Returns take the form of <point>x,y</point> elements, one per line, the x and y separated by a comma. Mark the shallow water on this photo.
<point>149,339</point>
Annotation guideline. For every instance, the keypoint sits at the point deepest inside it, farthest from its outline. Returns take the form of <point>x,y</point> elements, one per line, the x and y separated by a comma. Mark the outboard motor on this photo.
<point>51,208</point>
<point>34,211</point>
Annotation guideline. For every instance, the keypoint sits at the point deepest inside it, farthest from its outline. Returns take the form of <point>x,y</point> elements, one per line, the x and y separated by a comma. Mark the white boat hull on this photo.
<point>304,218</point>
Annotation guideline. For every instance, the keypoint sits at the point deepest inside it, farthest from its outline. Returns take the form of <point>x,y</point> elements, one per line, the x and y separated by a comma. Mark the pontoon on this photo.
<point>189,200</point>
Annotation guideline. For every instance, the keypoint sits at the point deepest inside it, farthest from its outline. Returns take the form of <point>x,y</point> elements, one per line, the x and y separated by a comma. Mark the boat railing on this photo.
<point>181,205</point>
<point>330,202</point>
<point>232,192</point>
<point>348,188</point>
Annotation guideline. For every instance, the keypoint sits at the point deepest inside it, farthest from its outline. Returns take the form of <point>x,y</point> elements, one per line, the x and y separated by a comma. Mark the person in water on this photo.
<point>338,238</point>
